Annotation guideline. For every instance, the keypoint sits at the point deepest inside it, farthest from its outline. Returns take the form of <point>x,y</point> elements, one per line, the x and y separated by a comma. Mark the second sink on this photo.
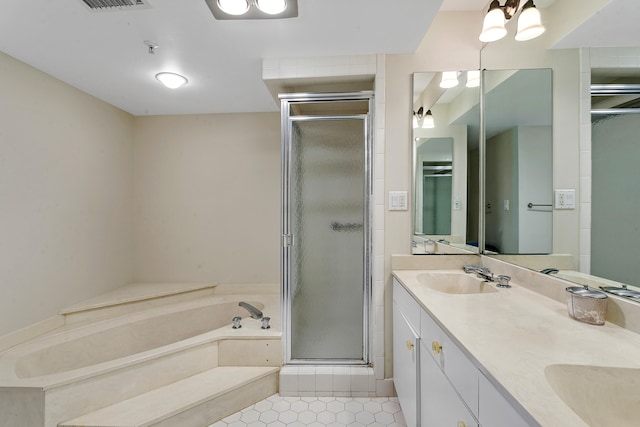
<point>600,395</point>
<point>455,283</point>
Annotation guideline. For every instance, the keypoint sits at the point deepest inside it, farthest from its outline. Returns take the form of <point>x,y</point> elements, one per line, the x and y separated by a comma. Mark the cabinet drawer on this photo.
<point>407,305</point>
<point>457,367</point>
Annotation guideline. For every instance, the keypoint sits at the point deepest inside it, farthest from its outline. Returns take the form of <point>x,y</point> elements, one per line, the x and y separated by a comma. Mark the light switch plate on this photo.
<point>397,200</point>
<point>565,199</point>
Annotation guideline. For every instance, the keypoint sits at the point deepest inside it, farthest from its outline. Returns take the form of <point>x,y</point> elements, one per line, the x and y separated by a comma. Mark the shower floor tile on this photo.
<point>278,411</point>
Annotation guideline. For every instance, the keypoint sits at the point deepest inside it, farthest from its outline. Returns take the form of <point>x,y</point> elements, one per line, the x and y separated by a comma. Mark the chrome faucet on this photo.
<point>481,272</point>
<point>255,313</point>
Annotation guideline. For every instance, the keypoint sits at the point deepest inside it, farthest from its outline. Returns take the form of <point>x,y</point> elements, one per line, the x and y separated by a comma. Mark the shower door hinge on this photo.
<point>287,240</point>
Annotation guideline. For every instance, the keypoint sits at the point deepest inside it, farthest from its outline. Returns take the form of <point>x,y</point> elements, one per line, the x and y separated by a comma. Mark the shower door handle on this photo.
<point>345,226</point>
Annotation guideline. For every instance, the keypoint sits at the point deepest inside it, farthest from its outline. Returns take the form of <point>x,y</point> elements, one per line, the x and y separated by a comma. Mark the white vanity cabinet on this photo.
<point>439,403</point>
<point>406,354</point>
<point>437,384</point>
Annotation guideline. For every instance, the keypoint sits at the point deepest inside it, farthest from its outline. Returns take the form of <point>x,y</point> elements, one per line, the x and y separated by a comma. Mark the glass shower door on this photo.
<point>327,273</point>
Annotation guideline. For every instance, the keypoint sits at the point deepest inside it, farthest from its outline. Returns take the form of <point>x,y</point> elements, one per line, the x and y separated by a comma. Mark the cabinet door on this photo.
<point>440,404</point>
<point>457,367</point>
<point>495,410</point>
<point>406,348</point>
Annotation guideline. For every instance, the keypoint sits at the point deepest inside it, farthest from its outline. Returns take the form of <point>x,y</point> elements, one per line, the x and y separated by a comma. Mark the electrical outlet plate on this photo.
<point>565,199</point>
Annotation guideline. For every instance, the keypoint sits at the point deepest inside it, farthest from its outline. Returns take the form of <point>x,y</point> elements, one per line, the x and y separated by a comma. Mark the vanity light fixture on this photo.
<point>428,122</point>
<point>423,120</point>
<point>473,78</point>
<point>529,23</point>
<point>253,9</point>
<point>449,79</point>
<point>171,80</point>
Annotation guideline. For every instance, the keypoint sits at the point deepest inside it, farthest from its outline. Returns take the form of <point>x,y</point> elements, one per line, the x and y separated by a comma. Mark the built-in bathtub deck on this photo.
<point>185,380</point>
<point>135,296</point>
<point>195,401</point>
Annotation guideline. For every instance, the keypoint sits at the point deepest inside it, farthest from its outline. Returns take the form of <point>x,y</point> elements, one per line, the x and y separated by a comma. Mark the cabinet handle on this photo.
<point>436,347</point>
<point>462,424</point>
<point>410,345</point>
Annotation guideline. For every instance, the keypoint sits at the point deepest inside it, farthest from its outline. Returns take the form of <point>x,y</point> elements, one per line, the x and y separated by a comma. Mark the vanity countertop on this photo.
<point>514,334</point>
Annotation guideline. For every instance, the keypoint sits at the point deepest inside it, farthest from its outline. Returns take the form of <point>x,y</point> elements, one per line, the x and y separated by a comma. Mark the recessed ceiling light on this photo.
<point>253,9</point>
<point>171,80</point>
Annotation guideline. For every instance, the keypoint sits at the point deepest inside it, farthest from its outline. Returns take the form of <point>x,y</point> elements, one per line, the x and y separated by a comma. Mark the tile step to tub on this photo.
<point>195,401</point>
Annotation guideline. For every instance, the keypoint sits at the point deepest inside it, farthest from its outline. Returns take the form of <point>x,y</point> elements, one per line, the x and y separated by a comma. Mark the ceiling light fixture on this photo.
<point>529,23</point>
<point>171,80</point>
<point>253,9</point>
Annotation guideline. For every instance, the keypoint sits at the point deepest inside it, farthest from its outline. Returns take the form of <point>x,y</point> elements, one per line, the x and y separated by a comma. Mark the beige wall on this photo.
<point>450,44</point>
<point>208,198</point>
<point>65,195</point>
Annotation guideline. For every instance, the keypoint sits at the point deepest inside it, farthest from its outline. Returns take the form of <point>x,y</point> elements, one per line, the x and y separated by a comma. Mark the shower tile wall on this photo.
<point>283,68</point>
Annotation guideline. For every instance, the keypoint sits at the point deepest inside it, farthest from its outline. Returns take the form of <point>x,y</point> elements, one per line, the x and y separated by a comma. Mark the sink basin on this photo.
<point>600,395</point>
<point>455,283</point>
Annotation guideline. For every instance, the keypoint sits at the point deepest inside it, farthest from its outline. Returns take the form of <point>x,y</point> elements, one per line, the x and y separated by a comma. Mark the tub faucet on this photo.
<point>255,313</point>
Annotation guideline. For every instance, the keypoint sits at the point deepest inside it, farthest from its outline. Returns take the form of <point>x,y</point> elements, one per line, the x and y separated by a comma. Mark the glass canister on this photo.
<point>587,305</point>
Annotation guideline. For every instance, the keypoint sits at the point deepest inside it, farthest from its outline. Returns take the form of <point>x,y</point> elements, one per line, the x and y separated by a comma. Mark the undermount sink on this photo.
<point>600,395</point>
<point>455,283</point>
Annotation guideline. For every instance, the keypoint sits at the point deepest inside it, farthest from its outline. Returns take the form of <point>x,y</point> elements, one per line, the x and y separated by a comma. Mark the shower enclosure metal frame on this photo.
<point>288,240</point>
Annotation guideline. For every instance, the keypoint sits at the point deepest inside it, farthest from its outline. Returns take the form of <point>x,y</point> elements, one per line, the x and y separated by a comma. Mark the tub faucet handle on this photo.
<point>265,323</point>
<point>236,322</point>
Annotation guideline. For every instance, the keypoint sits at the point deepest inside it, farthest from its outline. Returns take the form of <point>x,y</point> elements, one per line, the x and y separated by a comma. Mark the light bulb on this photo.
<point>234,7</point>
<point>271,7</point>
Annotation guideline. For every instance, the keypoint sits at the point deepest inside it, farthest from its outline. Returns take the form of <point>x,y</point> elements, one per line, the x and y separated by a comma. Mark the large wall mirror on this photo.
<point>446,123</point>
<point>518,166</point>
<point>517,115</point>
<point>517,211</point>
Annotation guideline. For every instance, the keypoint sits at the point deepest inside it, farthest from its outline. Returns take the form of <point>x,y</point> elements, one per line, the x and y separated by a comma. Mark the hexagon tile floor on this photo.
<point>276,411</point>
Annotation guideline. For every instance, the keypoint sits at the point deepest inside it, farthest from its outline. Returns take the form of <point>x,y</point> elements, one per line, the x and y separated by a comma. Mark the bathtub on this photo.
<point>83,367</point>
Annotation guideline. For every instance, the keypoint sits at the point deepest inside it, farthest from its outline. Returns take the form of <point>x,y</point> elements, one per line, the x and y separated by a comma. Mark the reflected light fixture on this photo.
<point>529,22</point>
<point>473,78</point>
<point>423,120</point>
<point>449,79</point>
<point>253,9</point>
<point>428,122</point>
<point>171,80</point>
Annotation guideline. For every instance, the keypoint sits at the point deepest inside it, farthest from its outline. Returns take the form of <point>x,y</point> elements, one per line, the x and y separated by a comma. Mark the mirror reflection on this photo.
<point>446,122</point>
<point>615,193</point>
<point>518,172</point>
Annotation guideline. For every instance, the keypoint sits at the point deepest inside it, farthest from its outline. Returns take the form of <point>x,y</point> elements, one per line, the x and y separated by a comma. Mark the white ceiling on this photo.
<point>102,53</point>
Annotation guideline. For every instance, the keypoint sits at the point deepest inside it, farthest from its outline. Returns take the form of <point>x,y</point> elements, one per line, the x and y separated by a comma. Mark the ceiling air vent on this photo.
<point>105,5</point>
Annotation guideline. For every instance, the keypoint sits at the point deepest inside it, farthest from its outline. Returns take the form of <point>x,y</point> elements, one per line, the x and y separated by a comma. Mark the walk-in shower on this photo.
<point>326,227</point>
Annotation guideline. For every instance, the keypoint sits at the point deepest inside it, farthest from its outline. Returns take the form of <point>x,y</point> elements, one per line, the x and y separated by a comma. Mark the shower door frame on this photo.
<point>288,239</point>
